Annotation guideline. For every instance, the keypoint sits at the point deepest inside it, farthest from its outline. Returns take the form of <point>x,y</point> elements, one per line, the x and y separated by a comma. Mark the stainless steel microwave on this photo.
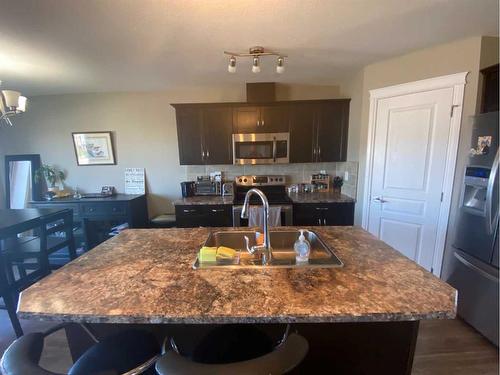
<point>261,148</point>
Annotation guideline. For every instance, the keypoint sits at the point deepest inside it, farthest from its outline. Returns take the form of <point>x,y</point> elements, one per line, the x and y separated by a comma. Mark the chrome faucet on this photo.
<point>265,249</point>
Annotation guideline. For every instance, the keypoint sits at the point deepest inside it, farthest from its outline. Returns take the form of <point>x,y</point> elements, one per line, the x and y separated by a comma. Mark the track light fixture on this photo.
<point>255,65</point>
<point>255,53</point>
<point>280,66</point>
<point>231,68</point>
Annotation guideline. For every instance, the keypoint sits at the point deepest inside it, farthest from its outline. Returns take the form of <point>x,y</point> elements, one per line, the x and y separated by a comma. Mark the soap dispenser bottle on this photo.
<point>302,248</point>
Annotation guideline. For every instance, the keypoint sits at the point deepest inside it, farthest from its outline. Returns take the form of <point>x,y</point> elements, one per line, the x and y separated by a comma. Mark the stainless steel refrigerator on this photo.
<point>473,261</point>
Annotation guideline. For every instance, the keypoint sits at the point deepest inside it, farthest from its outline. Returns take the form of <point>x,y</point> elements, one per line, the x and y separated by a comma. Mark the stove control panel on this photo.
<point>260,180</point>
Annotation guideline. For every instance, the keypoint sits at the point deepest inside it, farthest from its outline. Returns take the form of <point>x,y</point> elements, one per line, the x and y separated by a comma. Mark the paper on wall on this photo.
<point>135,182</point>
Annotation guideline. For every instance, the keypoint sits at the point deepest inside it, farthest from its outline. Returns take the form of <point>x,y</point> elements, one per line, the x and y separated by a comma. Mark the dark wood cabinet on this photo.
<point>204,134</point>
<point>246,119</point>
<point>93,218</point>
<point>320,214</point>
<point>489,98</point>
<point>192,216</point>
<point>261,119</point>
<point>217,132</point>
<point>302,133</point>
<point>332,120</point>
<point>189,136</point>
<point>318,129</point>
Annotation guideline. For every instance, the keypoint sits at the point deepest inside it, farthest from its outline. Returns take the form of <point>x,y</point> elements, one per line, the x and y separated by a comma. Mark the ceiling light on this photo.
<point>231,68</point>
<point>255,65</point>
<point>255,53</point>
<point>280,67</point>
<point>11,103</point>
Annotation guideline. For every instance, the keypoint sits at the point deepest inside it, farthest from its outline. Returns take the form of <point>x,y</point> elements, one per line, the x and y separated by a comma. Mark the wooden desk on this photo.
<point>94,217</point>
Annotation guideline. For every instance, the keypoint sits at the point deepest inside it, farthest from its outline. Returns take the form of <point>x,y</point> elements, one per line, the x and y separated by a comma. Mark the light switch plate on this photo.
<point>346,176</point>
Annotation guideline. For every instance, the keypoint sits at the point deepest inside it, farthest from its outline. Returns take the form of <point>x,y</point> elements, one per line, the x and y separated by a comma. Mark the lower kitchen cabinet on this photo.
<point>315,214</point>
<point>192,216</point>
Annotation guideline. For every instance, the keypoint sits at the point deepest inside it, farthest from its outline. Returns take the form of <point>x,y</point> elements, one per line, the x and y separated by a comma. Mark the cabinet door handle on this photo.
<point>202,154</point>
<point>262,123</point>
<point>319,221</point>
<point>189,211</point>
<point>324,221</point>
<point>217,210</point>
<point>258,122</point>
<point>208,154</point>
<point>319,152</point>
<point>322,208</point>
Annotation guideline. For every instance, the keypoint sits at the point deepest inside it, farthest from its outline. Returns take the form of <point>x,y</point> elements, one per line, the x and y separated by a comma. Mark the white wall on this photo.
<point>144,129</point>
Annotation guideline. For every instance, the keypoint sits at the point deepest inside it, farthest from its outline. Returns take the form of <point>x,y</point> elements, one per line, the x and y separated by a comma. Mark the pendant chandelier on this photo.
<point>11,103</point>
<point>255,54</point>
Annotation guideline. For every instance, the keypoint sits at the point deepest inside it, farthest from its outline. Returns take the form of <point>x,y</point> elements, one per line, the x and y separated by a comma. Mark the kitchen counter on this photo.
<point>316,197</point>
<point>200,200</point>
<point>145,276</point>
<point>320,197</point>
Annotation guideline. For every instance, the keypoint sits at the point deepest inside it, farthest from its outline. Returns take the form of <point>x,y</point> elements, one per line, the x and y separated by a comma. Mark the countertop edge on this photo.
<point>377,317</point>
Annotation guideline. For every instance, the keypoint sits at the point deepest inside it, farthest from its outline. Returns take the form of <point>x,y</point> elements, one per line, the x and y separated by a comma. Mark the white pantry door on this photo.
<point>409,160</point>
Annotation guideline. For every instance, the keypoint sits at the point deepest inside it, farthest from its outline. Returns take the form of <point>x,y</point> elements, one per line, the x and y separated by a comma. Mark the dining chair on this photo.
<point>25,260</point>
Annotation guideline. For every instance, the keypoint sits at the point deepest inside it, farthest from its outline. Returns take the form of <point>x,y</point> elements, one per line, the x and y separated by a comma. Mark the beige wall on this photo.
<point>144,129</point>
<point>458,56</point>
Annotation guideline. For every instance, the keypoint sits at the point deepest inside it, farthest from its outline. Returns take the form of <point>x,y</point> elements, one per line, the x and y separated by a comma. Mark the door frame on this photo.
<point>455,81</point>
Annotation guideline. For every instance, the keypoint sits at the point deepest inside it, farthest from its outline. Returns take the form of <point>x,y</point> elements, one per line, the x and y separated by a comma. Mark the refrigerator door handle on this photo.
<point>491,217</point>
<point>468,264</point>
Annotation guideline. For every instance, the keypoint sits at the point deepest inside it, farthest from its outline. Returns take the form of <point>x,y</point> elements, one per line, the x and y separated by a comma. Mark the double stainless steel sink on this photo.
<point>283,254</point>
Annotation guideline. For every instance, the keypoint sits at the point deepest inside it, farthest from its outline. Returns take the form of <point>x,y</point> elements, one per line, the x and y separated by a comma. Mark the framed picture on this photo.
<point>94,148</point>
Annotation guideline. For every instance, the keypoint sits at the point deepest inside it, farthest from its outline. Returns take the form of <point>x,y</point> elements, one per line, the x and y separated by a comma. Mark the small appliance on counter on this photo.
<point>187,188</point>
<point>228,189</point>
<point>205,185</point>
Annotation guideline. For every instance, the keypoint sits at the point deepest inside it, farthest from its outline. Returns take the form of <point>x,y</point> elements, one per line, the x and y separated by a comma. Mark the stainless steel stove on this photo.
<point>273,186</point>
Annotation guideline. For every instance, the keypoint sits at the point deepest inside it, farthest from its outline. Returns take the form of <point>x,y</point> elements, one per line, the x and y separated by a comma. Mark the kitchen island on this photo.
<point>145,276</point>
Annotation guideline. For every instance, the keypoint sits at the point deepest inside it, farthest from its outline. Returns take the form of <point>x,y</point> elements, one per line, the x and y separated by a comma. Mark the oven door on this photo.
<point>262,148</point>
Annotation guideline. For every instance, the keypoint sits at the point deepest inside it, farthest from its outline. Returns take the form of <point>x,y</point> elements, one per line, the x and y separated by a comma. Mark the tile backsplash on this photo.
<point>295,173</point>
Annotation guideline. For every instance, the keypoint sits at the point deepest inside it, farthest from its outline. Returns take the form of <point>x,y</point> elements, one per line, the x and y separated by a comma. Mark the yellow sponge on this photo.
<point>225,252</point>
<point>207,254</point>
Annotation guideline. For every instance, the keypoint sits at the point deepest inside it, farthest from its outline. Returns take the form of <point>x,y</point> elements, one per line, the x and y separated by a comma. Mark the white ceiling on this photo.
<point>70,46</point>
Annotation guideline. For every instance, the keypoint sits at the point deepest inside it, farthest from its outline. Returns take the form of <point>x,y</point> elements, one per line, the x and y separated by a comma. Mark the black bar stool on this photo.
<point>236,349</point>
<point>128,352</point>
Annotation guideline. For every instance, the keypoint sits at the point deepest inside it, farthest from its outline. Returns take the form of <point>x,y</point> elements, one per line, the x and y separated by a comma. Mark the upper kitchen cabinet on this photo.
<point>261,119</point>
<point>318,131</point>
<point>302,132</point>
<point>217,135</point>
<point>189,135</point>
<point>332,119</point>
<point>204,134</point>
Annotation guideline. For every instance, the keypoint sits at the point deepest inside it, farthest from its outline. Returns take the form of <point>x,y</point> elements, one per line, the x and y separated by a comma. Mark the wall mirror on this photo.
<point>21,186</point>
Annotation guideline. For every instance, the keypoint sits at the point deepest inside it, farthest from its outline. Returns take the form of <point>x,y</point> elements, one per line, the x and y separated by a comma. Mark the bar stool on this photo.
<point>127,352</point>
<point>280,359</point>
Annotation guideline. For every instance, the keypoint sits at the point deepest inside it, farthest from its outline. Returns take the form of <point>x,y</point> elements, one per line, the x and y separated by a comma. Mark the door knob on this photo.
<point>379,199</point>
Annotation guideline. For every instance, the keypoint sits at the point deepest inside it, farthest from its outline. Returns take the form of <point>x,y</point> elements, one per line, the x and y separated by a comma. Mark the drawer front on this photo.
<point>324,214</point>
<point>190,216</point>
<point>103,209</point>
<point>219,215</point>
<point>62,206</point>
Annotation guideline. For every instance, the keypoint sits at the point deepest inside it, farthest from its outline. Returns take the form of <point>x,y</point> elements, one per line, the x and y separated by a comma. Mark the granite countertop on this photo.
<point>320,197</point>
<point>316,197</point>
<point>145,276</point>
<point>203,199</point>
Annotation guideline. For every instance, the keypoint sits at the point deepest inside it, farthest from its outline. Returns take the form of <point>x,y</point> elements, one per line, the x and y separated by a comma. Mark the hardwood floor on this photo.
<point>443,347</point>
<point>453,347</point>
